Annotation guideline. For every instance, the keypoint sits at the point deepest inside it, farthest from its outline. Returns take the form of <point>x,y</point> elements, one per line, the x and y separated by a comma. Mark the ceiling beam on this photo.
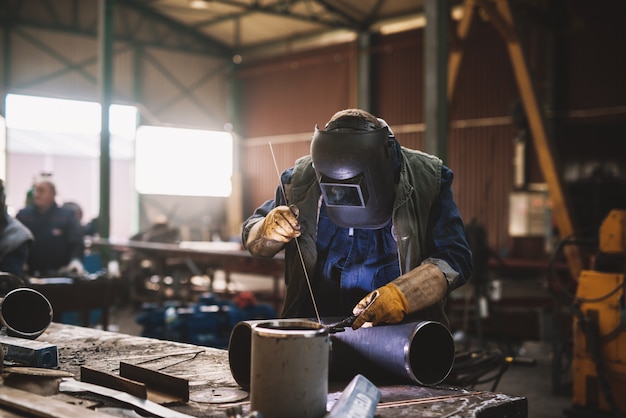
<point>166,33</point>
<point>281,9</point>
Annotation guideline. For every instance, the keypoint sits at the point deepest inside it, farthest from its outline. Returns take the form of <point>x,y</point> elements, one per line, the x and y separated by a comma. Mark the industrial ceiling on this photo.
<point>262,25</point>
<point>223,28</point>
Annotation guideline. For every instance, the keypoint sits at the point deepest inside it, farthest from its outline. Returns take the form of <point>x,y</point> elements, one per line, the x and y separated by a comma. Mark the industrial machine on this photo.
<point>599,333</point>
<point>208,322</point>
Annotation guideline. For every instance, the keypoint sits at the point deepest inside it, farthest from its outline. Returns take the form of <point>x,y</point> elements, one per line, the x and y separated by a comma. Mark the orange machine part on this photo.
<point>613,232</point>
<point>587,390</point>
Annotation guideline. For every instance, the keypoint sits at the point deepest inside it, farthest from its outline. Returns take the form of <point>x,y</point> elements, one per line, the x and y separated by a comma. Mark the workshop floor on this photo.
<point>532,382</point>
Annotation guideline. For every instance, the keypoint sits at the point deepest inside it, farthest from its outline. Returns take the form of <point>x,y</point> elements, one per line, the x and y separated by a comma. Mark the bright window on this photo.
<point>47,114</point>
<point>183,162</point>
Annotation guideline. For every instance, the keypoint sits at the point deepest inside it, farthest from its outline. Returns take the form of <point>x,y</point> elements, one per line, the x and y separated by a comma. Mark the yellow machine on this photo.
<point>599,362</point>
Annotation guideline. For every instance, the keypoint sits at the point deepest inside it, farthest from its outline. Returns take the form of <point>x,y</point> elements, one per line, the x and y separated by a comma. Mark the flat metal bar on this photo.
<point>157,381</point>
<point>111,381</point>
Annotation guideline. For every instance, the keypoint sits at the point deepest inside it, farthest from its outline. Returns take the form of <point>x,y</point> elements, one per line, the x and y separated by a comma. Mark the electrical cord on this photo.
<point>479,367</point>
<point>554,276</point>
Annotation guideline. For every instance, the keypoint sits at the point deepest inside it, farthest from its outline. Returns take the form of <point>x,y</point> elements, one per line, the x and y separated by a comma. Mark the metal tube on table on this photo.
<point>240,351</point>
<point>289,368</point>
<point>25,312</point>
<point>420,352</point>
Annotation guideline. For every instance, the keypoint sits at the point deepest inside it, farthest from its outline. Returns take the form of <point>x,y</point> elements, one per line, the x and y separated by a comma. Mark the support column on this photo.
<point>105,40</point>
<point>4,88</point>
<point>364,72</point>
<point>235,202</point>
<point>436,77</point>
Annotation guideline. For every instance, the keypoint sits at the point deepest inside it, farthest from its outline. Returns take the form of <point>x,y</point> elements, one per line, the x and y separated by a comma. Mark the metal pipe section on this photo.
<point>419,352</point>
<point>240,352</point>
<point>25,313</point>
<point>289,368</point>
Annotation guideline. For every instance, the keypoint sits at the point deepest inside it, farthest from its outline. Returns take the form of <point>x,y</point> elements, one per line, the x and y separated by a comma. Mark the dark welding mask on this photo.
<point>355,171</point>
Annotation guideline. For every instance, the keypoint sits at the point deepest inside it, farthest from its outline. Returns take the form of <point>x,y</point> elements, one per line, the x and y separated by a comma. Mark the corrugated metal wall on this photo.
<point>284,99</point>
<point>480,138</point>
<point>480,142</point>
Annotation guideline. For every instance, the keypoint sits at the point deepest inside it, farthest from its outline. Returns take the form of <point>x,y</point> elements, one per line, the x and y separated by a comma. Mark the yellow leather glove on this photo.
<point>409,293</point>
<point>385,304</point>
<point>279,226</point>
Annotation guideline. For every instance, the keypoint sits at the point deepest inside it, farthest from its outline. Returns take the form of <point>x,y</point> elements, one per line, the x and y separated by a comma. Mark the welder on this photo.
<point>374,223</point>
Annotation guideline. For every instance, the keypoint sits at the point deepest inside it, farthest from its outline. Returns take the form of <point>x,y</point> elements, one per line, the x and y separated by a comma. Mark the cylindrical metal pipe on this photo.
<point>420,352</point>
<point>289,368</point>
<point>25,312</point>
<point>240,351</point>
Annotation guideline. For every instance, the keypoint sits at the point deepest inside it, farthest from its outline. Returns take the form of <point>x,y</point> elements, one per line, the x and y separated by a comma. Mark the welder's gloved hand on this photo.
<point>75,266</point>
<point>411,292</point>
<point>385,304</point>
<point>279,226</point>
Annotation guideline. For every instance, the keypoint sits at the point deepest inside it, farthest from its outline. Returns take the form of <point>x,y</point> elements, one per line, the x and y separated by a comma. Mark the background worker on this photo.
<point>373,220</point>
<point>58,246</point>
<point>15,240</point>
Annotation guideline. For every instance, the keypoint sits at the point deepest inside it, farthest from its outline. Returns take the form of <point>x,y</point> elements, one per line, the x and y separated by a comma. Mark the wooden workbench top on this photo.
<point>207,370</point>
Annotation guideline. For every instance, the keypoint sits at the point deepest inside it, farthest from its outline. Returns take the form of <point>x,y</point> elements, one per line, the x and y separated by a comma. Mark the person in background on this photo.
<point>58,246</point>
<point>377,228</point>
<point>15,240</point>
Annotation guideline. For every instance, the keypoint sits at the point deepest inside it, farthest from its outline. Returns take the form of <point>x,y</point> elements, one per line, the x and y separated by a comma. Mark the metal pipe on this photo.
<point>25,313</point>
<point>289,368</point>
<point>418,352</point>
<point>240,351</point>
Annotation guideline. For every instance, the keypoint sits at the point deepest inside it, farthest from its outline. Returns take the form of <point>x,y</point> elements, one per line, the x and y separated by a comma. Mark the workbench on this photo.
<point>80,295</point>
<point>196,257</point>
<point>208,372</point>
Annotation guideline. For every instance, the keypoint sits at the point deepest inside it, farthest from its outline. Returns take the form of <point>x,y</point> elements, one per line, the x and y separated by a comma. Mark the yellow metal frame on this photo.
<point>595,305</point>
<point>499,13</point>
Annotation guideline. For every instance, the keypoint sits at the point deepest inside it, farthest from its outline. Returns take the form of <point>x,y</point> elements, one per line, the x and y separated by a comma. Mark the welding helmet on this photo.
<point>353,162</point>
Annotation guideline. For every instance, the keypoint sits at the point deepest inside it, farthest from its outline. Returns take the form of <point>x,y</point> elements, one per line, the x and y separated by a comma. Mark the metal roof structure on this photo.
<point>253,25</point>
<point>221,27</point>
